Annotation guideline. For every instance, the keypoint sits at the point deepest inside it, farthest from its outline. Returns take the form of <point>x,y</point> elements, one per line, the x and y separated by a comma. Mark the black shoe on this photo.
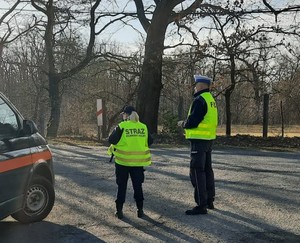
<point>196,210</point>
<point>210,205</point>
<point>140,213</point>
<point>119,214</point>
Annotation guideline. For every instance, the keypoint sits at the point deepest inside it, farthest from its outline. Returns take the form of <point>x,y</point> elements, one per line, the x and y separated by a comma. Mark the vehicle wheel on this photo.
<point>38,201</point>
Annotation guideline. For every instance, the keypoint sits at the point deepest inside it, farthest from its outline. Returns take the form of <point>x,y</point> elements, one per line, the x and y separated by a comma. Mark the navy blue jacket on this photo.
<point>198,111</point>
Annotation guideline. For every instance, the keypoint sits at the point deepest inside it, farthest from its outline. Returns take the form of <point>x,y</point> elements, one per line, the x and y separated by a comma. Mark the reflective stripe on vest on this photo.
<point>207,128</point>
<point>132,149</point>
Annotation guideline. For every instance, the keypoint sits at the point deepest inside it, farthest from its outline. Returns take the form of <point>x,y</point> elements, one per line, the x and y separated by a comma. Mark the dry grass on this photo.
<point>256,130</point>
<point>241,136</point>
<point>91,130</point>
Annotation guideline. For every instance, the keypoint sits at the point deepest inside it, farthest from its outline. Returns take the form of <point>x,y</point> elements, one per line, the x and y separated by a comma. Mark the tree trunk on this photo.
<point>228,95</point>
<point>150,85</point>
<point>257,90</point>
<point>55,104</point>
<point>149,94</point>
<point>228,113</point>
<point>1,69</point>
<point>180,108</point>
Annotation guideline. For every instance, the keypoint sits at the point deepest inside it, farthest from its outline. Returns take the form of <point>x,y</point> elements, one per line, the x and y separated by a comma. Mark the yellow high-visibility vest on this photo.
<point>132,149</point>
<point>207,128</point>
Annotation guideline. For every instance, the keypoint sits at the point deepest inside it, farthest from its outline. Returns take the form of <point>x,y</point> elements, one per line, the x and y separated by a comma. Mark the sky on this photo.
<point>130,35</point>
<point>124,34</point>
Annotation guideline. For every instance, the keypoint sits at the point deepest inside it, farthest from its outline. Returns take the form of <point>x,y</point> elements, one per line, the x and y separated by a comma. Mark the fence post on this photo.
<point>265,115</point>
<point>282,119</point>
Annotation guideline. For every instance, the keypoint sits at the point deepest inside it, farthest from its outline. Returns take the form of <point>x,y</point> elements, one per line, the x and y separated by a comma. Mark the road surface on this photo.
<point>258,200</point>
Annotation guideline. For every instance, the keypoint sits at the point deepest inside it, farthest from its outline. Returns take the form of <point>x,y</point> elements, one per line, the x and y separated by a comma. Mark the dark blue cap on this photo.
<point>128,109</point>
<point>202,79</point>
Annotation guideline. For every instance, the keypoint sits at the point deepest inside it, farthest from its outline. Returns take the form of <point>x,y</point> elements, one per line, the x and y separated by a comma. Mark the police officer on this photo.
<point>200,129</point>
<point>130,141</point>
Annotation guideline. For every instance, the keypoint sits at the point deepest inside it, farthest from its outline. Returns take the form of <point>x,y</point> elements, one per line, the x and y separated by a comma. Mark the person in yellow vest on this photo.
<point>130,142</point>
<point>200,129</point>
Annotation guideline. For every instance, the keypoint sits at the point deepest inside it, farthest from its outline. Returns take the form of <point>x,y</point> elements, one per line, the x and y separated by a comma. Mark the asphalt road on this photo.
<point>258,200</point>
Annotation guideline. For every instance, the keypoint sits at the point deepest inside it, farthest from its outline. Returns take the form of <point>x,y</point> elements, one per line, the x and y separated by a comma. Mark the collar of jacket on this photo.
<point>200,92</point>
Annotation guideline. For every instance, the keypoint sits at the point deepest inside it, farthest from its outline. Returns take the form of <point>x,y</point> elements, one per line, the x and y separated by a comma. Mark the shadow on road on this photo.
<point>45,232</point>
<point>165,233</point>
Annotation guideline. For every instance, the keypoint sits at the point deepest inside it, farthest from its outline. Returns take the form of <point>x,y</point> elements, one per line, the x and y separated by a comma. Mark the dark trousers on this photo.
<point>137,179</point>
<point>201,173</point>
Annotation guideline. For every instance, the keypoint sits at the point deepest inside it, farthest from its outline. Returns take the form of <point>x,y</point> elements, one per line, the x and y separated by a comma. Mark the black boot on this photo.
<point>119,212</point>
<point>140,212</point>
<point>196,210</point>
<point>210,205</point>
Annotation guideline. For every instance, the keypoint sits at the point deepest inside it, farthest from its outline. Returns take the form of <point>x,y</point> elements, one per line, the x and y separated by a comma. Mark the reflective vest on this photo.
<point>207,128</point>
<point>132,149</point>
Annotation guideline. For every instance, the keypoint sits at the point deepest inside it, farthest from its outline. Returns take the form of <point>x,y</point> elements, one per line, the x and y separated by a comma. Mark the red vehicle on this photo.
<point>26,170</point>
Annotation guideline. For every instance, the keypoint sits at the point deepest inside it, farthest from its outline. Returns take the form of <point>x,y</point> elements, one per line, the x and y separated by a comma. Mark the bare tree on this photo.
<point>10,29</point>
<point>286,89</point>
<point>164,13</point>
<point>239,45</point>
<point>114,79</point>
<point>5,21</point>
<point>57,20</point>
<point>155,24</point>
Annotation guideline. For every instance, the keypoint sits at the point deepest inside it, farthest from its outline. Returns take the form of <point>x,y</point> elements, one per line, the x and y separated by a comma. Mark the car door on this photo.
<point>15,160</point>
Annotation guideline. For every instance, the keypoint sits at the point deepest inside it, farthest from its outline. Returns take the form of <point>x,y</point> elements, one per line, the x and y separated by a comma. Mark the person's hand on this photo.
<point>180,123</point>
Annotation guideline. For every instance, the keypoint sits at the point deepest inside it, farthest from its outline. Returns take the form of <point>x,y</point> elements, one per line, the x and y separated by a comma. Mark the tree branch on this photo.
<point>182,14</point>
<point>9,11</point>
<point>141,14</point>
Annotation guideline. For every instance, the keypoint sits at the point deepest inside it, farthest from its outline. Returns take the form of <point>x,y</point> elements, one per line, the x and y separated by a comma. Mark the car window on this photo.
<point>8,121</point>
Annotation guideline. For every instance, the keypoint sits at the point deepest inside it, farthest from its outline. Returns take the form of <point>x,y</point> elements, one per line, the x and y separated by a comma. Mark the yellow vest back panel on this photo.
<point>132,149</point>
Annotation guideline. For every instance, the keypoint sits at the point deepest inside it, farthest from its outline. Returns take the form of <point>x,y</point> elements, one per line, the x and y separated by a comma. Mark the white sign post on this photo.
<point>99,114</point>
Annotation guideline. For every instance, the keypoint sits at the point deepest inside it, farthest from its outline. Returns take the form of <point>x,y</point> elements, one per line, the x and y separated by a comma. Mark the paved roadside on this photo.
<point>258,200</point>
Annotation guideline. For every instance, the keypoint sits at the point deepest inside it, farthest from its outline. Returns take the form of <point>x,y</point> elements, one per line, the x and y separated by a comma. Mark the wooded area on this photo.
<point>56,61</point>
